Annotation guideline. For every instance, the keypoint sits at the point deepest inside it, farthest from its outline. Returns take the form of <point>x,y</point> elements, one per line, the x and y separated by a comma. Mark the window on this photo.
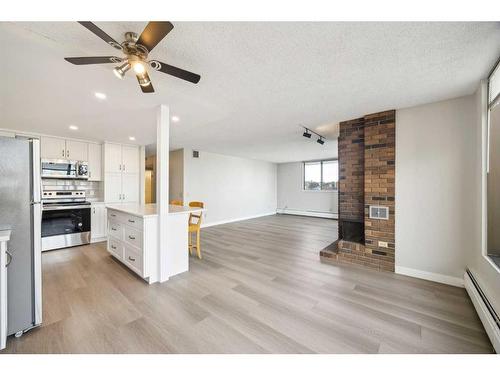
<point>321,175</point>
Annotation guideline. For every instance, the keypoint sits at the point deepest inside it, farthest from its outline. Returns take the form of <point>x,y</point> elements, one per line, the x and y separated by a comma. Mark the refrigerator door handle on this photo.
<point>37,262</point>
<point>35,168</point>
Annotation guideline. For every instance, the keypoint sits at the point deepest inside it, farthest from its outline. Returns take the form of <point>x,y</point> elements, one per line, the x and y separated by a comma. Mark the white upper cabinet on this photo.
<point>130,159</point>
<point>58,148</point>
<point>76,150</point>
<point>112,158</point>
<point>95,162</point>
<point>53,148</point>
<point>121,173</point>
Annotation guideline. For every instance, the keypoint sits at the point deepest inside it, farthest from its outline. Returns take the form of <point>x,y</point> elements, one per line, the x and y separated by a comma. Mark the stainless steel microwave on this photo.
<point>58,168</point>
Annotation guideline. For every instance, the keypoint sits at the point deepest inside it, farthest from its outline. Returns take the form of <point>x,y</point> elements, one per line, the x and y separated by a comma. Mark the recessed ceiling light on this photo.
<point>73,127</point>
<point>175,118</point>
<point>100,95</point>
<point>131,138</point>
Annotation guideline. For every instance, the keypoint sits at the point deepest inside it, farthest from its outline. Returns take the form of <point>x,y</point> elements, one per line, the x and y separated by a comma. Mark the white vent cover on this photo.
<point>379,212</point>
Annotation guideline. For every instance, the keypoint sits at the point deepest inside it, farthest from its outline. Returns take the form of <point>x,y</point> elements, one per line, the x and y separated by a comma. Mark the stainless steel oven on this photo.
<point>54,168</point>
<point>65,219</point>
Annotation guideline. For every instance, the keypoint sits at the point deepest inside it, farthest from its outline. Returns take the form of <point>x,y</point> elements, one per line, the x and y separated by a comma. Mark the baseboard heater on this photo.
<point>486,312</point>
<point>291,211</point>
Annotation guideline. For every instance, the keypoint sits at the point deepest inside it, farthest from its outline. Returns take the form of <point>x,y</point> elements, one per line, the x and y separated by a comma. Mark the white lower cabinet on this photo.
<point>133,241</point>
<point>97,221</point>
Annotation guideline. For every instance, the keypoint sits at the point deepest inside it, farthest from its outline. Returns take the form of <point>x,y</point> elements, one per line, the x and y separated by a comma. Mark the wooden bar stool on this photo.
<point>175,202</point>
<point>194,227</point>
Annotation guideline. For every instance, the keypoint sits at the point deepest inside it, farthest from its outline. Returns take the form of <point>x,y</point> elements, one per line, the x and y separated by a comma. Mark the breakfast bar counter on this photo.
<point>133,238</point>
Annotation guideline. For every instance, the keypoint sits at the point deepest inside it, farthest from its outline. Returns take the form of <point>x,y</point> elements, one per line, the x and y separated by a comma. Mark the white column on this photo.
<point>162,161</point>
<point>142,175</point>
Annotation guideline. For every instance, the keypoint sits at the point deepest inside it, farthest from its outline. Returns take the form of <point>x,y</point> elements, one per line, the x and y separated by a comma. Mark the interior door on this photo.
<point>76,150</point>
<point>130,187</point>
<point>95,162</point>
<point>130,159</point>
<point>112,158</point>
<point>53,148</point>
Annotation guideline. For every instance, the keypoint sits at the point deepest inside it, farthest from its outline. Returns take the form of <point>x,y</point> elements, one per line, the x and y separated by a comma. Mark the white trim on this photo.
<point>437,277</point>
<point>206,225</point>
<point>484,314</point>
<point>326,215</point>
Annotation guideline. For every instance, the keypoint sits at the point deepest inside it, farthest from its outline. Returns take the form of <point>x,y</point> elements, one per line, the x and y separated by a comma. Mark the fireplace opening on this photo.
<point>352,231</point>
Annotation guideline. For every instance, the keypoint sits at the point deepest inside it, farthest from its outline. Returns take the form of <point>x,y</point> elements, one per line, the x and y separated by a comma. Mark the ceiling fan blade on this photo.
<point>174,71</point>
<point>154,33</point>
<point>145,89</point>
<point>93,60</point>
<point>101,34</point>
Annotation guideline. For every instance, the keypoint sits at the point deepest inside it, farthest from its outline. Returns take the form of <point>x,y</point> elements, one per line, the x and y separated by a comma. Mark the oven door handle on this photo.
<point>55,208</point>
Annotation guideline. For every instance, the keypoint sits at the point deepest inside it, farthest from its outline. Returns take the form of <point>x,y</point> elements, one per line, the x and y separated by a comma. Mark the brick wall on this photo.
<point>351,169</point>
<point>367,162</point>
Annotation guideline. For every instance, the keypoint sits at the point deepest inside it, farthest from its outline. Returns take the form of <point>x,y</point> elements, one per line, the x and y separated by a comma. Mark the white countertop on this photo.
<point>146,210</point>
<point>4,235</point>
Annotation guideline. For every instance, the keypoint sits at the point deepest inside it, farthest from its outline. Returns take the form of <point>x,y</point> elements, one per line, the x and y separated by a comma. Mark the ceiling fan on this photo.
<point>136,50</point>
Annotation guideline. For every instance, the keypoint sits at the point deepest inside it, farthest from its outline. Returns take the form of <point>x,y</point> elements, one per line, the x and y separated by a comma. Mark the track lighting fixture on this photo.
<point>308,133</point>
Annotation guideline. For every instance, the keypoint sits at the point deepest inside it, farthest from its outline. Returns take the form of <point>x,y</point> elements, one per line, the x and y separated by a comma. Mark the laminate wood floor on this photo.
<point>260,288</point>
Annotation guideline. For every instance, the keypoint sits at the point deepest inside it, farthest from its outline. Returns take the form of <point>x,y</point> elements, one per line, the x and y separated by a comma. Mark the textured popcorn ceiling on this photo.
<point>259,80</point>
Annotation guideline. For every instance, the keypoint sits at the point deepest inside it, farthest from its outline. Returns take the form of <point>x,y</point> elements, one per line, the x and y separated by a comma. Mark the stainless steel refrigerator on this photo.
<point>20,211</point>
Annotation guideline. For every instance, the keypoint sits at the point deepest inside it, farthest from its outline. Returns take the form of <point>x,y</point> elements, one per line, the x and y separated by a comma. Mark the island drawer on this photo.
<point>133,221</point>
<point>115,229</point>
<point>132,237</point>
<point>133,259</point>
<point>115,248</point>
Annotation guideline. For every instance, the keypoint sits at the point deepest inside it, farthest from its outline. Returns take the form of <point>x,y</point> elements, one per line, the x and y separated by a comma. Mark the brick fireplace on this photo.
<point>366,151</point>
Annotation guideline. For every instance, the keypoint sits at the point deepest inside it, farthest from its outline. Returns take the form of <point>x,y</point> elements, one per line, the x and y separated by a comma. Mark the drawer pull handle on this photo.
<point>113,215</point>
<point>131,221</point>
<point>113,228</point>
<point>113,247</point>
<point>132,259</point>
<point>131,237</point>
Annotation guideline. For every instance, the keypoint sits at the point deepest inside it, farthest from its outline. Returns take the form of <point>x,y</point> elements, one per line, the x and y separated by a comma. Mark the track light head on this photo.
<point>320,141</point>
<point>307,134</point>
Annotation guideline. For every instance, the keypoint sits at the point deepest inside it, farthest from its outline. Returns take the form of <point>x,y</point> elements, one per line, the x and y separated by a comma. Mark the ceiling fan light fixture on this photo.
<point>139,68</point>
<point>121,70</point>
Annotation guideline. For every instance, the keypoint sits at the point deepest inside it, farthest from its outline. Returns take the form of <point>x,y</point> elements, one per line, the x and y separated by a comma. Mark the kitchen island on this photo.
<point>133,238</point>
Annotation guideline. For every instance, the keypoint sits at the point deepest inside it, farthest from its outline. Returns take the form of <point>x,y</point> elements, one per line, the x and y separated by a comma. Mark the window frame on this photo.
<point>320,190</point>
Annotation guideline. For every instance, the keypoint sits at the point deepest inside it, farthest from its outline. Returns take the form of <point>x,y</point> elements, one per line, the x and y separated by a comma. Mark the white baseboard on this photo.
<point>326,215</point>
<point>206,225</point>
<point>437,277</point>
<point>484,314</point>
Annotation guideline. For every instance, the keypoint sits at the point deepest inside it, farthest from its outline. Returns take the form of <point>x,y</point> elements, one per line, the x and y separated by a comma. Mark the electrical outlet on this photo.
<point>383,244</point>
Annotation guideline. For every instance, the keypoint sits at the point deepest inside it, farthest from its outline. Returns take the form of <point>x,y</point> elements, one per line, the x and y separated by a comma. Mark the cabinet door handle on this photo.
<point>63,152</point>
<point>131,237</point>
<point>67,153</point>
<point>123,166</point>
<point>120,166</point>
<point>132,259</point>
<point>131,221</point>
<point>112,215</point>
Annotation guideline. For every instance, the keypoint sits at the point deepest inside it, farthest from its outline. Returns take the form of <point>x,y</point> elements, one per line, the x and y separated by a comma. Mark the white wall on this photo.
<point>232,188</point>
<point>436,184</point>
<point>292,196</point>
<point>176,174</point>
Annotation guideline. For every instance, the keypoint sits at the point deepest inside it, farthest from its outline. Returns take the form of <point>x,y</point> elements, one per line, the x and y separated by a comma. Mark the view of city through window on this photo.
<point>321,175</point>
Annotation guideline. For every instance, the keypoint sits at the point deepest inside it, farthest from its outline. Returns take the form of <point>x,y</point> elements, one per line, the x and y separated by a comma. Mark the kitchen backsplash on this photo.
<point>93,189</point>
